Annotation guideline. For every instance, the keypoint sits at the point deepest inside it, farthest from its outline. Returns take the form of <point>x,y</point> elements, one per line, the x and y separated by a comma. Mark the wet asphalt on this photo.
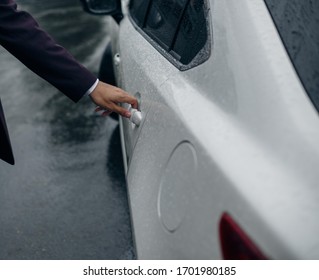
<point>66,196</point>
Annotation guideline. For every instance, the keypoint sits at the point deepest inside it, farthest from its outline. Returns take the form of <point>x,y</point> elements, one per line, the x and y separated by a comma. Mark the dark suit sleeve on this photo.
<point>21,35</point>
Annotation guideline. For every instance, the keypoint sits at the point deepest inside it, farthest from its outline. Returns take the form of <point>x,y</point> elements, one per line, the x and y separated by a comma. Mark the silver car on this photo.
<point>222,157</point>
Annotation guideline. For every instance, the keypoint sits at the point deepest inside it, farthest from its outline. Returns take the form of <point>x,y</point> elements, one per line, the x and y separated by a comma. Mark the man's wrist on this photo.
<point>92,88</point>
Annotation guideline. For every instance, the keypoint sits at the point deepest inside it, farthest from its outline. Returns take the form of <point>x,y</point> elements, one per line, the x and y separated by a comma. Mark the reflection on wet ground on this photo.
<point>66,196</point>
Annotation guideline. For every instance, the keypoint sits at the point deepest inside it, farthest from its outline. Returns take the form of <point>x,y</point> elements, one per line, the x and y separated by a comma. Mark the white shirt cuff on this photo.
<point>90,90</point>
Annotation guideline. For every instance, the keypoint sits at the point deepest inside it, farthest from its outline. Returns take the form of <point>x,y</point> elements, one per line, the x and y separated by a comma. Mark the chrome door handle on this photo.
<point>136,116</point>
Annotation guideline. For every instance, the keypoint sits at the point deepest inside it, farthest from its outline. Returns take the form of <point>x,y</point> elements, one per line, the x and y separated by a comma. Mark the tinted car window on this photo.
<point>192,34</point>
<point>138,10</point>
<point>298,24</point>
<point>178,29</point>
<point>162,20</point>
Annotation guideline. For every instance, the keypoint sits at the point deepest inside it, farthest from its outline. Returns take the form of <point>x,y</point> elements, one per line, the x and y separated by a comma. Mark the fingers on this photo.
<point>122,111</point>
<point>98,108</point>
<point>112,105</point>
<point>107,97</point>
<point>115,108</point>
<point>105,112</point>
<point>125,98</point>
<point>133,102</point>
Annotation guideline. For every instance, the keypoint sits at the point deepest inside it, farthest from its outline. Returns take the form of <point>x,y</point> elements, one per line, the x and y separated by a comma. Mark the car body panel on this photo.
<point>144,83</point>
<point>239,126</point>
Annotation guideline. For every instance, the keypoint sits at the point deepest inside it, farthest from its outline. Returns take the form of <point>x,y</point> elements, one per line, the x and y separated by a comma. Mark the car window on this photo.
<point>163,19</point>
<point>138,10</point>
<point>177,28</point>
<point>192,34</point>
<point>298,24</point>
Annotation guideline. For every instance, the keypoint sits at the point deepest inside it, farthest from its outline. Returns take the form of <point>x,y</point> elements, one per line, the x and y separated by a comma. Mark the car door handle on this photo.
<point>136,116</point>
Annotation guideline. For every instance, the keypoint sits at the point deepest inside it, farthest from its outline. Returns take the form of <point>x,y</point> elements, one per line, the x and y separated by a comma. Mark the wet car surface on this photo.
<point>223,162</point>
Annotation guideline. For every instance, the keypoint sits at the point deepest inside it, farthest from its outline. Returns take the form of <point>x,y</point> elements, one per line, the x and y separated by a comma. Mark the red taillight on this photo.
<point>235,243</point>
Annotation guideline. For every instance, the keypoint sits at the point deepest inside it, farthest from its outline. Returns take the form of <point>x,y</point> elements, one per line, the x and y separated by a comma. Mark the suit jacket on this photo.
<point>21,35</point>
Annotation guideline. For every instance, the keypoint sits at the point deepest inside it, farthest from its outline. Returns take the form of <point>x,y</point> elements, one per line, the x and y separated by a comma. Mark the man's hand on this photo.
<point>107,97</point>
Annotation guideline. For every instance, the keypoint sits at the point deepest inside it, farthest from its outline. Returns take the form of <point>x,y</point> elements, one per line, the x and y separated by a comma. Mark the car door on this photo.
<point>163,165</point>
<point>228,133</point>
<point>135,55</point>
